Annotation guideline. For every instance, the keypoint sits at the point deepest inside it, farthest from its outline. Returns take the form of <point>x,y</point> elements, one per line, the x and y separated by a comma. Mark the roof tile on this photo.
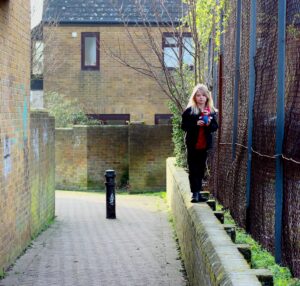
<point>113,11</point>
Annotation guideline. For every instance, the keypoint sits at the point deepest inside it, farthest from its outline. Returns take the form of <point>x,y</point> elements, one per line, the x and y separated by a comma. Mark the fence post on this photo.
<point>237,76</point>
<point>209,62</point>
<point>280,127</point>
<point>215,77</point>
<point>220,90</point>
<point>252,75</point>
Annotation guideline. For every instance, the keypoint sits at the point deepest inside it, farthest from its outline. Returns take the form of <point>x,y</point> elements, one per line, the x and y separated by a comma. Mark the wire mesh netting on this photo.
<point>229,175</point>
<point>291,211</point>
<point>262,207</point>
<point>223,180</point>
<point>240,162</point>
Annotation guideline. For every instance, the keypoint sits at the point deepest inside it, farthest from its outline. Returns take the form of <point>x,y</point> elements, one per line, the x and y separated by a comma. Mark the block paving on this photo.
<point>82,247</point>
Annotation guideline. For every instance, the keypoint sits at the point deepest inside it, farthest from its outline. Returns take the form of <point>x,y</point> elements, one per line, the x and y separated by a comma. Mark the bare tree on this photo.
<point>175,61</point>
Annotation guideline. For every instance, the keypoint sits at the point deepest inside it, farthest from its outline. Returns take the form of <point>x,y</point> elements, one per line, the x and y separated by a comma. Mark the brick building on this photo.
<point>26,140</point>
<point>14,128</point>
<point>87,34</point>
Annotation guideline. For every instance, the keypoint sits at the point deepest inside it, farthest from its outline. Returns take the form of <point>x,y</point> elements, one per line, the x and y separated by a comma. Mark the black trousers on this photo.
<point>196,160</point>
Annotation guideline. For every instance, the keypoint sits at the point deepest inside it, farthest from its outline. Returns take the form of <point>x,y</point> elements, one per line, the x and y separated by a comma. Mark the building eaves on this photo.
<point>114,12</point>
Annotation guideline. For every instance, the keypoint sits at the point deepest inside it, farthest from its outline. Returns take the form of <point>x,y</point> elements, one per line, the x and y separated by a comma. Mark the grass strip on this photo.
<point>260,257</point>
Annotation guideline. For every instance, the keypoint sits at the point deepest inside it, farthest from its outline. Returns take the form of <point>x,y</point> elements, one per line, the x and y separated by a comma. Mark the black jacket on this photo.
<point>189,125</point>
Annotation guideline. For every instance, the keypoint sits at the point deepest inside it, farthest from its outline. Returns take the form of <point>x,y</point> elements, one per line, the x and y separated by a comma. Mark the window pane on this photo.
<point>38,58</point>
<point>90,56</point>
<point>171,41</point>
<point>188,51</point>
<point>163,119</point>
<point>171,57</point>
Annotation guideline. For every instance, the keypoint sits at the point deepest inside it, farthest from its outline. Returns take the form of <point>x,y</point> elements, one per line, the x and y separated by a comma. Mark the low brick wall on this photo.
<point>83,153</point>
<point>27,191</point>
<point>107,148</point>
<point>149,146</point>
<point>209,255</point>
<point>136,152</point>
<point>42,169</point>
<point>71,158</point>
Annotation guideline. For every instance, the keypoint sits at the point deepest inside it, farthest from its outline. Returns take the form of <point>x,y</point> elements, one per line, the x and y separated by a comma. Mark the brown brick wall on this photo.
<point>107,148</point>
<point>84,153</point>
<point>114,89</point>
<point>137,152</point>
<point>27,191</point>
<point>149,146</point>
<point>41,169</point>
<point>14,128</point>
<point>18,206</point>
<point>71,158</point>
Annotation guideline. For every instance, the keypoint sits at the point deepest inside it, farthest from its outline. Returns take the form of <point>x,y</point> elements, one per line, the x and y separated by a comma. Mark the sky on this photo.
<point>36,12</point>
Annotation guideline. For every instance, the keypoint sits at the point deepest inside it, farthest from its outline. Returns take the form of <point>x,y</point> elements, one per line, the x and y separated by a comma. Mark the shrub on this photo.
<point>184,84</point>
<point>67,111</point>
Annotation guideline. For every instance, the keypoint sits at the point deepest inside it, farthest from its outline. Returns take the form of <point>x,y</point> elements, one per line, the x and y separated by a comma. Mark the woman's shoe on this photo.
<point>195,198</point>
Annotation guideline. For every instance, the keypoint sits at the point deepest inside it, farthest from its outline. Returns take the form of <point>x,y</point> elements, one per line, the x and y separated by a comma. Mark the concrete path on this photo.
<point>83,248</point>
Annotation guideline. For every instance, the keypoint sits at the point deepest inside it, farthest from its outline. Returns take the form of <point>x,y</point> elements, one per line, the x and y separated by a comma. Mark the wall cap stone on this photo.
<point>136,122</point>
<point>38,110</point>
<point>63,128</point>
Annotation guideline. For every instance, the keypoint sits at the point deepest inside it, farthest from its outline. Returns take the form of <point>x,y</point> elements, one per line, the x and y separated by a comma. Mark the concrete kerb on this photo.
<point>210,257</point>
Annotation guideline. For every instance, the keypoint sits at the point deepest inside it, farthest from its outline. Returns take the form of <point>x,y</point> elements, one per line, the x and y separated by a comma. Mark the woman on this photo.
<point>198,122</point>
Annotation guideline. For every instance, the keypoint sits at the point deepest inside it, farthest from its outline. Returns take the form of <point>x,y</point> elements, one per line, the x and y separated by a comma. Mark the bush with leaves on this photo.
<point>185,88</point>
<point>67,111</point>
<point>178,136</point>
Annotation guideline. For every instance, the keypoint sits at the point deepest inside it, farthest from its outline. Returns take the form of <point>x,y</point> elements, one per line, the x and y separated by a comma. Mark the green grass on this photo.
<point>261,258</point>
<point>2,273</point>
<point>162,195</point>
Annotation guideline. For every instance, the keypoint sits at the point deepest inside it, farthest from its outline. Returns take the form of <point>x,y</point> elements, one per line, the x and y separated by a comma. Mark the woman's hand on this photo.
<point>201,123</point>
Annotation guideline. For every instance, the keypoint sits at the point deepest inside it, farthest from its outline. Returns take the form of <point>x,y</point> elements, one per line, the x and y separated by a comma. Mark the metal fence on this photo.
<point>255,164</point>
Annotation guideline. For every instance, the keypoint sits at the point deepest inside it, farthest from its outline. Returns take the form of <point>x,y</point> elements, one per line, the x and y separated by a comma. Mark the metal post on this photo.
<point>237,76</point>
<point>280,127</point>
<point>222,32</point>
<point>219,101</point>
<point>215,77</point>
<point>252,77</point>
<point>220,59</point>
<point>209,63</point>
<point>110,194</point>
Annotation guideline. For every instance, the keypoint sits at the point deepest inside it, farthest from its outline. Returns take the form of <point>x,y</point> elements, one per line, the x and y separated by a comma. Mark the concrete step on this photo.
<point>212,204</point>
<point>230,229</point>
<point>245,250</point>
<point>220,216</point>
<point>264,276</point>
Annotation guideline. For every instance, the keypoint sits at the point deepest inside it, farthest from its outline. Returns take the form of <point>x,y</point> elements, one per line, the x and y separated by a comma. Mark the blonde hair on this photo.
<point>192,103</point>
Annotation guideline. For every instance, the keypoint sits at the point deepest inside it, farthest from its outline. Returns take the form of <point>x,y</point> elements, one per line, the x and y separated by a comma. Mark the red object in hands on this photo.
<point>201,141</point>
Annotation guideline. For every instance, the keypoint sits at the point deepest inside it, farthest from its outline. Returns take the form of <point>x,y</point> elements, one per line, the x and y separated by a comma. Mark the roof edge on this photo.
<point>112,23</point>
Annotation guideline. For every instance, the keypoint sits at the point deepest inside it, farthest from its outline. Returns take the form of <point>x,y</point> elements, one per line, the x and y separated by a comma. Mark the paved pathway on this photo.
<point>83,248</point>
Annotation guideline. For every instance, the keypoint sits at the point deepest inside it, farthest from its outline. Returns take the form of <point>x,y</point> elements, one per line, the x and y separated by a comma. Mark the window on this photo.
<point>163,119</point>
<point>111,119</point>
<point>178,49</point>
<point>90,51</point>
<point>37,58</point>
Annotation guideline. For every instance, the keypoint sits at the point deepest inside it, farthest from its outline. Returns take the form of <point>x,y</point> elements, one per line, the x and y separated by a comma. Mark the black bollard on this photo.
<point>110,194</point>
